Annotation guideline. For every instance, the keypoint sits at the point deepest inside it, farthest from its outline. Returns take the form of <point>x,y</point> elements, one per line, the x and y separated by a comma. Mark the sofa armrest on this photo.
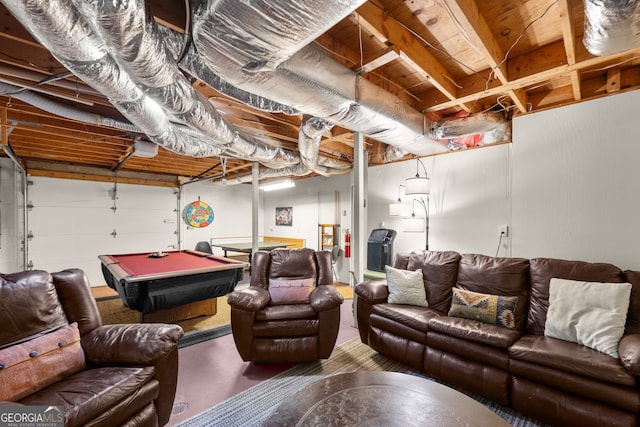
<point>325,297</point>
<point>629,351</point>
<point>373,291</point>
<point>253,298</point>
<point>131,344</point>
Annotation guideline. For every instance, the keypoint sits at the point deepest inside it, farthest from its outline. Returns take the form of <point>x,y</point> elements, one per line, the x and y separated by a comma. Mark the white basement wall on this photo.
<point>231,206</point>
<point>576,182</point>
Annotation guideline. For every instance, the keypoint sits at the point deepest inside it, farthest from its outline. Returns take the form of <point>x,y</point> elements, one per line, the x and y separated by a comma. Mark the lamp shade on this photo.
<point>399,209</point>
<point>417,185</point>
<point>414,224</point>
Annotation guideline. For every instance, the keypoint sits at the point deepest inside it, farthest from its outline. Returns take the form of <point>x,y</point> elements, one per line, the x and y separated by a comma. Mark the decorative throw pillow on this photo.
<point>493,309</point>
<point>290,291</point>
<point>592,314</point>
<point>406,287</point>
<point>33,365</point>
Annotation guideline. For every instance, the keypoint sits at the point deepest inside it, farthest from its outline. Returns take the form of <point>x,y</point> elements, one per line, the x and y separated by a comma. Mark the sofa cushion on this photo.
<point>623,397</point>
<point>541,272</point>
<point>494,309</point>
<point>480,353</point>
<point>588,313</point>
<point>473,330</point>
<point>439,272</point>
<point>405,287</point>
<point>566,356</point>
<point>285,312</point>
<point>412,316</point>
<point>30,305</point>
<point>33,365</point>
<point>497,276</point>
<point>290,291</point>
<point>90,393</point>
<point>286,328</point>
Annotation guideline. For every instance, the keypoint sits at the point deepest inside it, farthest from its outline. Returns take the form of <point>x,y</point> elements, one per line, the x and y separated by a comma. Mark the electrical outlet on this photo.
<point>503,230</point>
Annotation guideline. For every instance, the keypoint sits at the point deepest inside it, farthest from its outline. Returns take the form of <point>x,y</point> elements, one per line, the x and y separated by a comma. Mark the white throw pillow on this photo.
<point>592,314</point>
<point>406,287</point>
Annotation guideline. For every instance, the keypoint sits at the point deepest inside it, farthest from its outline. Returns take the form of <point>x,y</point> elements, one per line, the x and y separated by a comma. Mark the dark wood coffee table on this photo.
<point>381,399</point>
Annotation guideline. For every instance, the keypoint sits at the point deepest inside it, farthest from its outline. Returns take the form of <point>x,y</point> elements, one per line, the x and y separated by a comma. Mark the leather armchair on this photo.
<point>264,331</point>
<point>120,375</point>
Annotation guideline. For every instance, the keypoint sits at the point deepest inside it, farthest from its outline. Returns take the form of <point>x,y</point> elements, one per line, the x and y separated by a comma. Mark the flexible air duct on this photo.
<point>611,26</point>
<point>121,53</point>
<point>305,79</point>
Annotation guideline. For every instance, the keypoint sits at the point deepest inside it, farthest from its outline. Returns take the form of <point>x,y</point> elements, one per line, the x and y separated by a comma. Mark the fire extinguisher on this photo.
<point>347,244</point>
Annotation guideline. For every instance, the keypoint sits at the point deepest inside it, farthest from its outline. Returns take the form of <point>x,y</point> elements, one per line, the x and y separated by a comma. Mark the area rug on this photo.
<point>197,329</point>
<point>254,405</point>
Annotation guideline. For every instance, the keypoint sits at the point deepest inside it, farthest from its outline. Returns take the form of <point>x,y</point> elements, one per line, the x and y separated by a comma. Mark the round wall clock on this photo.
<point>198,214</point>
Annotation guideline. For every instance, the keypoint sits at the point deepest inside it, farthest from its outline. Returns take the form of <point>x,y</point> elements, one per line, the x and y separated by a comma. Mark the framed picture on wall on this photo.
<point>284,216</point>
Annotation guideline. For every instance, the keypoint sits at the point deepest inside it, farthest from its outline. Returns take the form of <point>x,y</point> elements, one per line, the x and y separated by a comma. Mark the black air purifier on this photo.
<point>380,249</point>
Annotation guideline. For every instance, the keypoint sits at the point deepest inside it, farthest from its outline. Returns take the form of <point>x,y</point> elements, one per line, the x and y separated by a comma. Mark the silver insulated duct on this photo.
<point>611,26</point>
<point>263,49</point>
<point>122,53</point>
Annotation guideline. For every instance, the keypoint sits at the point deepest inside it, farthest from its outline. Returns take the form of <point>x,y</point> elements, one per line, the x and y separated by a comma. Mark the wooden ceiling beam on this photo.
<point>569,38</point>
<point>378,60</point>
<point>528,70</point>
<point>410,47</point>
<point>4,127</point>
<point>473,25</point>
<point>613,79</point>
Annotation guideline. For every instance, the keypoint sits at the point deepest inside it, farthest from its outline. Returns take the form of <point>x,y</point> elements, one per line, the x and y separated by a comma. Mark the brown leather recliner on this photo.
<point>266,329</point>
<point>54,350</point>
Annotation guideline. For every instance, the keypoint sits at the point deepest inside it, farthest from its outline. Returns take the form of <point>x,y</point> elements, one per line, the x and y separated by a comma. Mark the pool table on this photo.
<point>153,281</point>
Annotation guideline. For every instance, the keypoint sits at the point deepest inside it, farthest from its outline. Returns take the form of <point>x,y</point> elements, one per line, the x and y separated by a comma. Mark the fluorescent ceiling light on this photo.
<point>278,185</point>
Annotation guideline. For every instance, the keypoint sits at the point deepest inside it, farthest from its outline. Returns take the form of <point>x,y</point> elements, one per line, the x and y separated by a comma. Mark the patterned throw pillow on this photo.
<point>494,309</point>
<point>32,365</point>
<point>290,291</point>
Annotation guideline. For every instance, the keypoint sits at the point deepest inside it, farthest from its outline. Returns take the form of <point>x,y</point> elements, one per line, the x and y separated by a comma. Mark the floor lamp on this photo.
<point>416,186</point>
<point>418,224</point>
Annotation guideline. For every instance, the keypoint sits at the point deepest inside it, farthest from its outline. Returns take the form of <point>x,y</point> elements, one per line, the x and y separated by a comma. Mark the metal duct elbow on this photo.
<point>309,137</point>
<point>611,26</point>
